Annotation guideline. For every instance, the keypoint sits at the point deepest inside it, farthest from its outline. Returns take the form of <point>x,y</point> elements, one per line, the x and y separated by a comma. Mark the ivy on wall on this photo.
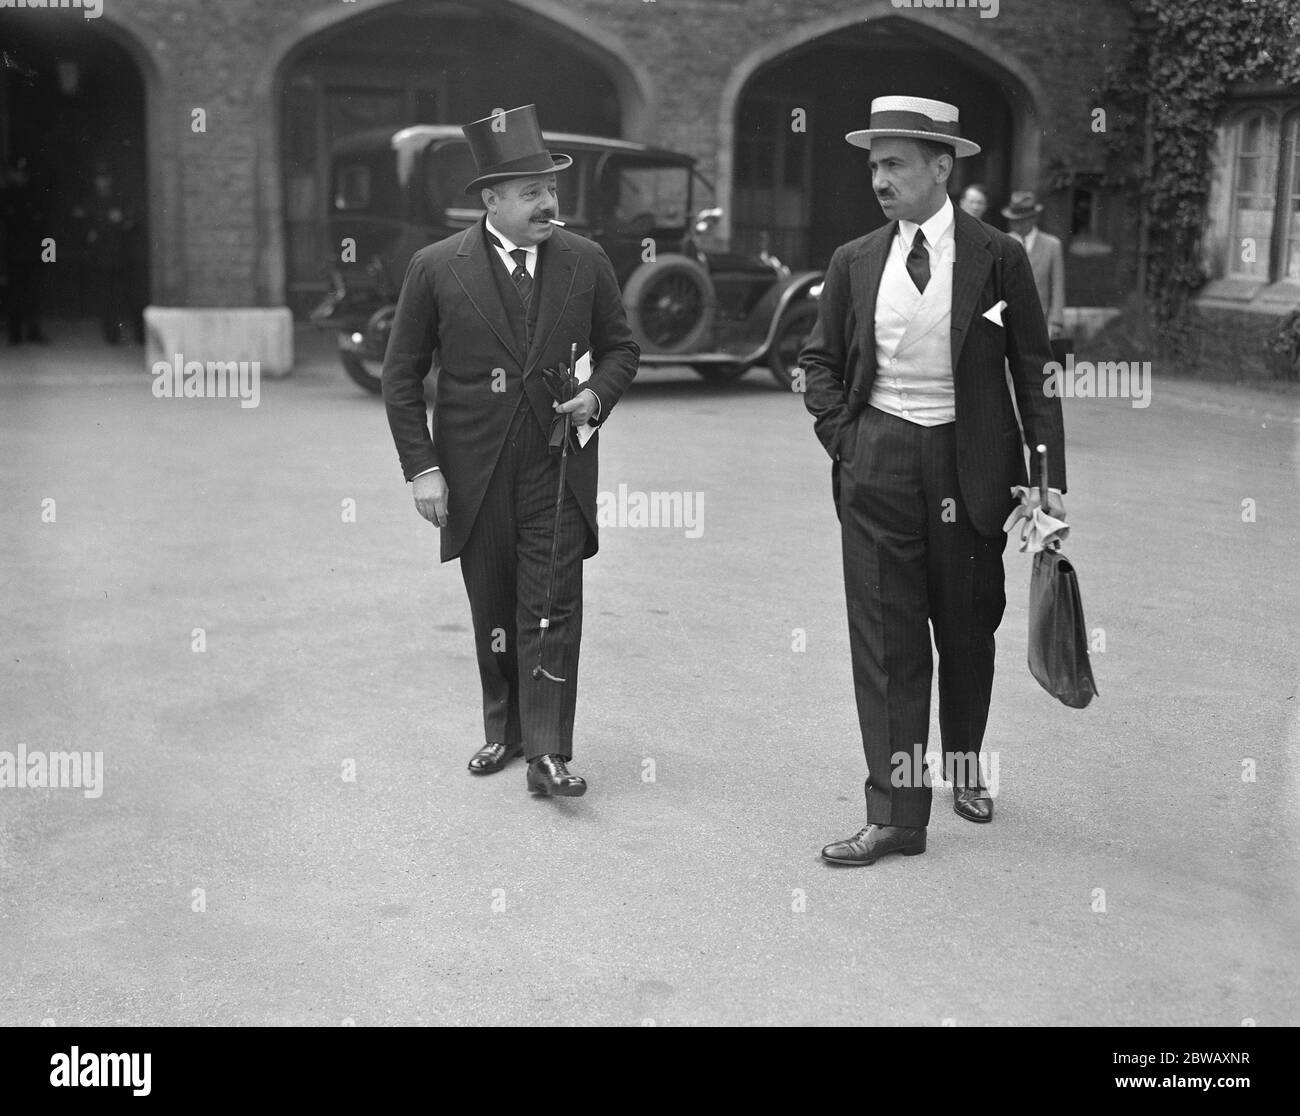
<point>1170,88</point>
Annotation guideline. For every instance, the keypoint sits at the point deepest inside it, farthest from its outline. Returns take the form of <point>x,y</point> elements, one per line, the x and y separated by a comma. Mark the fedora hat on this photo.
<point>509,145</point>
<point>914,118</point>
<point>1023,204</point>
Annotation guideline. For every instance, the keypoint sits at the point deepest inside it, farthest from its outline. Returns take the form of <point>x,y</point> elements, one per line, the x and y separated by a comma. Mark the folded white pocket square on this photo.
<point>994,312</point>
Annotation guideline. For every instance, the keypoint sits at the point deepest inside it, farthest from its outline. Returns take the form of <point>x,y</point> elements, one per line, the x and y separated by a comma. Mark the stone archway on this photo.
<point>804,193</point>
<point>78,96</point>
<point>417,64</point>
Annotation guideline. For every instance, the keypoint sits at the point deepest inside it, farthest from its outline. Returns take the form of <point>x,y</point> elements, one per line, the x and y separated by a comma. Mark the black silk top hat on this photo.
<point>1023,204</point>
<point>509,145</point>
<point>914,118</point>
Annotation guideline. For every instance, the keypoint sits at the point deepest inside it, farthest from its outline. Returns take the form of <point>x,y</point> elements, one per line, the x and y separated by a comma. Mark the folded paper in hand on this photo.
<point>582,373</point>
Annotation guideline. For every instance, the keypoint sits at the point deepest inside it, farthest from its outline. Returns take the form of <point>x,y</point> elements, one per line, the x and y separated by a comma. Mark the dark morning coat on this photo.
<point>839,361</point>
<point>451,304</point>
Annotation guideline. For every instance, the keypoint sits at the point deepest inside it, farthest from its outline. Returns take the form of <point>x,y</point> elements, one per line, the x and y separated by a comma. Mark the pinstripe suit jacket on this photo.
<point>451,304</point>
<point>839,361</point>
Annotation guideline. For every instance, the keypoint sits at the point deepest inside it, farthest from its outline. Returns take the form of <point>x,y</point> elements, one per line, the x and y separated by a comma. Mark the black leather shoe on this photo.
<point>972,803</point>
<point>548,775</point>
<point>872,842</point>
<point>491,758</point>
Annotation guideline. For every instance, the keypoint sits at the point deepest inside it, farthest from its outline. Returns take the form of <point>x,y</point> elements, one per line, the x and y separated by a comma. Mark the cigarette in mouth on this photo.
<point>553,221</point>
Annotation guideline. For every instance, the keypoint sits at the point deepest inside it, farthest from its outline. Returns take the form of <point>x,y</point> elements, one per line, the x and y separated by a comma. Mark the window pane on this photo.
<point>1247,175</point>
<point>364,184</point>
<point>1291,254</point>
<point>1250,135</point>
<point>352,187</point>
<point>1255,173</point>
<point>1293,249</point>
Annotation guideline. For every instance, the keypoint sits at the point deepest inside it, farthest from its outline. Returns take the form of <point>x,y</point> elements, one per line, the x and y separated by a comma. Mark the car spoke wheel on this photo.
<point>791,336</point>
<point>670,309</point>
<point>670,305</point>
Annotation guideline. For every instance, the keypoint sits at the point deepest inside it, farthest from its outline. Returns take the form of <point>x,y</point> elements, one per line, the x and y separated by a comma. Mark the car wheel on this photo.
<point>670,305</point>
<point>791,335</point>
<point>364,373</point>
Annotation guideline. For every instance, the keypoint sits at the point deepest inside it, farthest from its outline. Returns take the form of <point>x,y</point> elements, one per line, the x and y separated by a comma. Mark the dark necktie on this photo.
<point>918,261</point>
<point>523,281</point>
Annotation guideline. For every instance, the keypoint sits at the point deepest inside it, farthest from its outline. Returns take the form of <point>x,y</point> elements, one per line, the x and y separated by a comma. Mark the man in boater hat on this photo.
<point>906,382</point>
<point>501,304</point>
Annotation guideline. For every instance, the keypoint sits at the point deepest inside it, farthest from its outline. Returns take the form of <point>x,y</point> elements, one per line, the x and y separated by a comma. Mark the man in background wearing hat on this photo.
<point>501,303</point>
<point>906,382</point>
<point>1045,257</point>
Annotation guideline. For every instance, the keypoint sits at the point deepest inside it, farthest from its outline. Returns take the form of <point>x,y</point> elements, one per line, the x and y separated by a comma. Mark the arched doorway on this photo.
<point>806,192</point>
<point>72,116</point>
<point>412,62</point>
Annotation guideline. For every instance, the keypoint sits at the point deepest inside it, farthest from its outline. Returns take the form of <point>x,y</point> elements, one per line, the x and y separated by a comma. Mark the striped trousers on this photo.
<point>913,560</point>
<point>505,564</point>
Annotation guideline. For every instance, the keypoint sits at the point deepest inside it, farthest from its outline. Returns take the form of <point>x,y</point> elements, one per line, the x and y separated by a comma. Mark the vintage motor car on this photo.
<point>719,313</point>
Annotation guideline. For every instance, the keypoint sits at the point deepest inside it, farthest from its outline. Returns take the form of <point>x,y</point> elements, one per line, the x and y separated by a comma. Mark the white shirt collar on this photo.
<point>934,228</point>
<point>508,245</point>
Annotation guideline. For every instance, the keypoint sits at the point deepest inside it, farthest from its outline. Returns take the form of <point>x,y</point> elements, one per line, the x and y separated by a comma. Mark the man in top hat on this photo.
<point>501,303</point>
<point>906,382</point>
<point>1045,257</point>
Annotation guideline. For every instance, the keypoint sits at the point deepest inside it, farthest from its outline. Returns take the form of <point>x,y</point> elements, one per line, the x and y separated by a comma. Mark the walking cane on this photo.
<point>1042,485</point>
<point>539,671</point>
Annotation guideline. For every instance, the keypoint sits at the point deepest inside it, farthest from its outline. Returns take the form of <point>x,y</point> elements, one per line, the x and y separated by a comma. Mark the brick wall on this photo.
<point>218,191</point>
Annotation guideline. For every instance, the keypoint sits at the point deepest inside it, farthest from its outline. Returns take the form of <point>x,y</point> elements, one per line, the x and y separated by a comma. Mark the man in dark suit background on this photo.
<point>500,303</point>
<point>906,381</point>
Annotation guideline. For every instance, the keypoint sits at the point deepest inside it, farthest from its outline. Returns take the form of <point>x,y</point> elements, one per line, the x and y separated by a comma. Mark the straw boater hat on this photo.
<point>914,118</point>
<point>509,145</point>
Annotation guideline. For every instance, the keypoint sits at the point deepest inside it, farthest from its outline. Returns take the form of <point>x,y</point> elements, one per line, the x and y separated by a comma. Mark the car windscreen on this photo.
<point>639,194</point>
<point>364,183</point>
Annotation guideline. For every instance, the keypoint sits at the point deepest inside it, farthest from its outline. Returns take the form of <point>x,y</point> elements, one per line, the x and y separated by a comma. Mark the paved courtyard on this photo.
<point>285,698</point>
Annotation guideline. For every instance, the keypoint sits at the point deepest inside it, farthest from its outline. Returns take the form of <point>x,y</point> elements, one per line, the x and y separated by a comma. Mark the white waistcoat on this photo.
<point>914,341</point>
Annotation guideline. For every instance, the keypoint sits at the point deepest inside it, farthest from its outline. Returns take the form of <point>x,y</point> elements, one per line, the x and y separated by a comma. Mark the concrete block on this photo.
<point>1083,322</point>
<point>262,334</point>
